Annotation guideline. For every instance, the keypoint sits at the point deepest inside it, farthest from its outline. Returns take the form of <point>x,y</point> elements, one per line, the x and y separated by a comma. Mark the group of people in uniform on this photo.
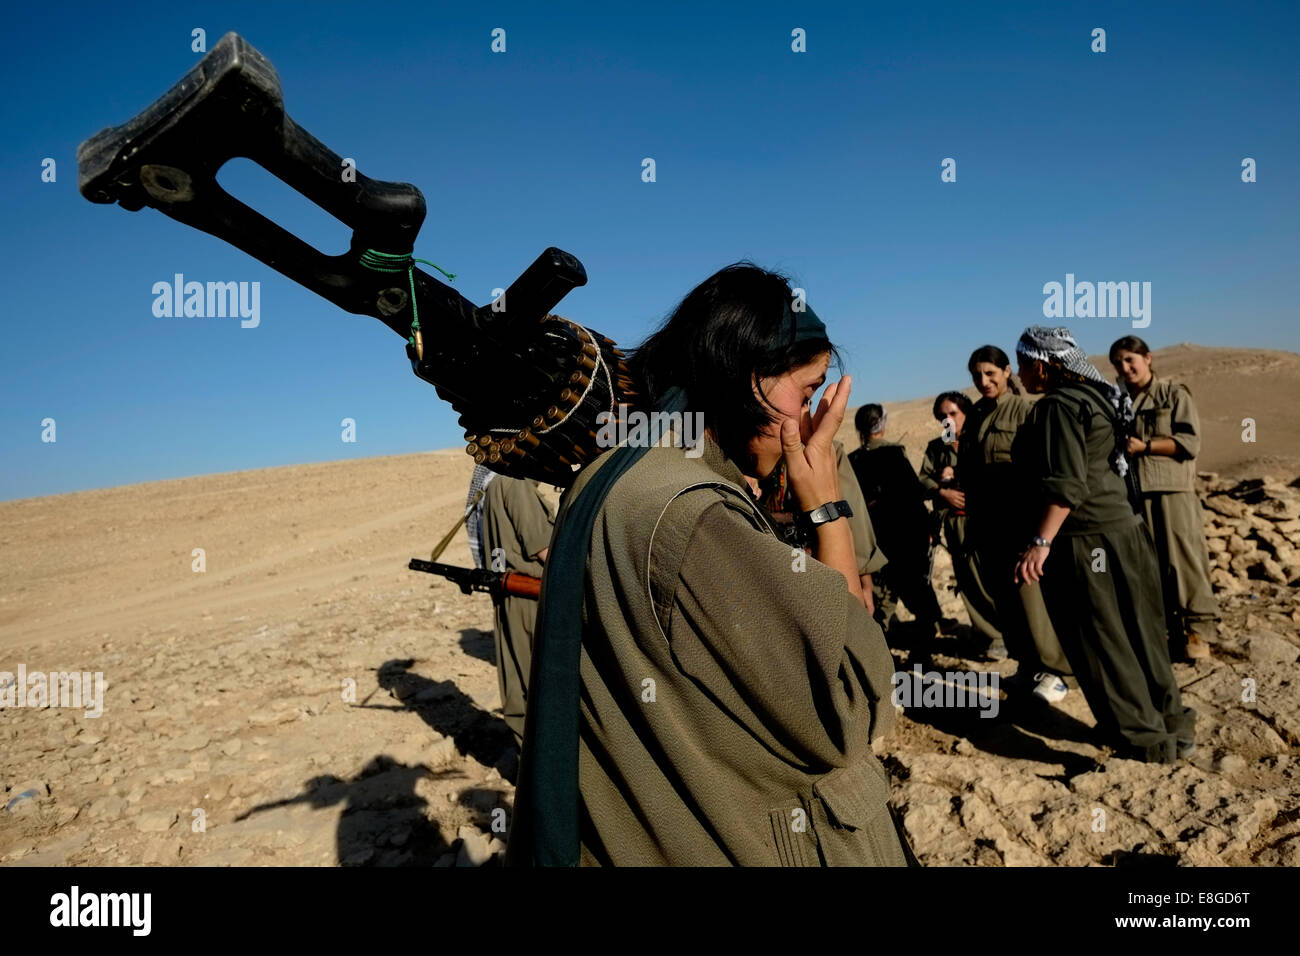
<point>709,666</point>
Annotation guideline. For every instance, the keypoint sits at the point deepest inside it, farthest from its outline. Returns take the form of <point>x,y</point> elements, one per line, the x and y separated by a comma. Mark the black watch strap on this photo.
<point>809,520</point>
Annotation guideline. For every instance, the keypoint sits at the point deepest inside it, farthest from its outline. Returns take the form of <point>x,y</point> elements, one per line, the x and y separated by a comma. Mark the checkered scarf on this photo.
<point>481,478</point>
<point>1057,347</point>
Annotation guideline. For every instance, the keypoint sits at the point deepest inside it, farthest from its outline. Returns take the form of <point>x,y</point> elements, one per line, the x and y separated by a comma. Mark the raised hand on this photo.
<point>813,476</point>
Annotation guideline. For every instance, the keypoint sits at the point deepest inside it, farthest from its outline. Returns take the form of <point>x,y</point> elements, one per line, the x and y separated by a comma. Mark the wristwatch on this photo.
<point>1041,543</point>
<point>807,521</point>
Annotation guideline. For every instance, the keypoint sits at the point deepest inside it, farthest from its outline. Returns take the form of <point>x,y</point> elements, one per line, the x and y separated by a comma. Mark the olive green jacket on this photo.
<point>517,520</point>
<point>870,558</point>
<point>1067,446</point>
<point>994,488</point>
<point>939,455</point>
<point>730,685</point>
<point>1164,409</point>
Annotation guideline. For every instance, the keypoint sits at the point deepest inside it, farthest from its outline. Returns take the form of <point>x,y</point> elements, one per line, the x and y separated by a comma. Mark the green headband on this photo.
<point>804,324</point>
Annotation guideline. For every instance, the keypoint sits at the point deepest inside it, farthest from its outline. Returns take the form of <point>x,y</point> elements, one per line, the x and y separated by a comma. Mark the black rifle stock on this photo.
<point>527,384</point>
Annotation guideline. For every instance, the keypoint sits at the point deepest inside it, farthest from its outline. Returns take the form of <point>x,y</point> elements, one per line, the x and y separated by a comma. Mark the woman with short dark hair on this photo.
<point>896,502</point>
<point>702,692</point>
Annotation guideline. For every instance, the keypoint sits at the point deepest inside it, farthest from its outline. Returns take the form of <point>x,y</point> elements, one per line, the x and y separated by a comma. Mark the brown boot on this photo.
<point>1196,649</point>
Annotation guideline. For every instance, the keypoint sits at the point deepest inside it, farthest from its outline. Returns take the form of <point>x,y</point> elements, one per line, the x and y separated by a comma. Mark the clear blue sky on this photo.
<point>826,164</point>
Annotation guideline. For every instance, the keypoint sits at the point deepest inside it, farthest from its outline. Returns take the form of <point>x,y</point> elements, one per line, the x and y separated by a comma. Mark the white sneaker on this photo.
<point>1050,688</point>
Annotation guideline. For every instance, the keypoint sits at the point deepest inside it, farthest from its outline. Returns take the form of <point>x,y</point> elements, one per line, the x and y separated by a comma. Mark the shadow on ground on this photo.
<point>384,822</point>
<point>1012,729</point>
<point>450,711</point>
<point>479,644</point>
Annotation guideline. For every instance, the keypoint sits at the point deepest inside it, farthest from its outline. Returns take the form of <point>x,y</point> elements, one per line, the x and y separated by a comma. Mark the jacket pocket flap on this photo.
<point>854,796</point>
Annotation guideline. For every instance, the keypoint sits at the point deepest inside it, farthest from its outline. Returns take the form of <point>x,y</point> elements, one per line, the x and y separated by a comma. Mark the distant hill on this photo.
<point>1228,385</point>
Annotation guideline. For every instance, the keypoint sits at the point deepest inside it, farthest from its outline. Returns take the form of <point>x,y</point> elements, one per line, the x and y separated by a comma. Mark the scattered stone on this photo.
<point>1223,580</point>
<point>267,718</point>
<point>1279,509</point>
<point>1229,763</point>
<point>1225,506</point>
<point>475,847</point>
<point>195,740</point>
<point>162,853</point>
<point>1268,569</point>
<point>109,808</point>
<point>1285,852</point>
<point>156,821</point>
<point>1269,647</point>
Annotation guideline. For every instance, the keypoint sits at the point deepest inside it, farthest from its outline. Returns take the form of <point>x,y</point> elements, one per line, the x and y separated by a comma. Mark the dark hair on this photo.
<point>957,398</point>
<point>868,419</point>
<point>1129,343</point>
<point>988,353</point>
<point>995,356</point>
<point>728,332</point>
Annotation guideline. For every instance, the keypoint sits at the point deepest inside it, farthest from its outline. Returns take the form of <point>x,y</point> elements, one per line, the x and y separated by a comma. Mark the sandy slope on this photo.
<point>225,688</point>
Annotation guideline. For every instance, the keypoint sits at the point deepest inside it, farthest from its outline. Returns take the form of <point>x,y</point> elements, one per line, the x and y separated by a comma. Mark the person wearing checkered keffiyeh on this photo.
<point>1093,555</point>
<point>1056,347</point>
<point>474,504</point>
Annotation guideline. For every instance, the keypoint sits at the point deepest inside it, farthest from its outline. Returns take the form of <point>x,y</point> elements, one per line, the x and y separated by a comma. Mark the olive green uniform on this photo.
<point>517,520</point>
<point>1100,579</point>
<point>902,519</point>
<point>1000,527</point>
<point>870,558</point>
<point>939,455</point>
<point>1164,409</point>
<point>728,697</point>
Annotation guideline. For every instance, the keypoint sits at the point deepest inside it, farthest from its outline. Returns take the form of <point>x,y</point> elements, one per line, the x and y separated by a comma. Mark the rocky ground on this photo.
<point>1030,788</point>
<point>305,700</point>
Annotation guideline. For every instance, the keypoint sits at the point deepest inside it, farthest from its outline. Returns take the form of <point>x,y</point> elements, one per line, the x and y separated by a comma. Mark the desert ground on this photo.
<point>230,735</point>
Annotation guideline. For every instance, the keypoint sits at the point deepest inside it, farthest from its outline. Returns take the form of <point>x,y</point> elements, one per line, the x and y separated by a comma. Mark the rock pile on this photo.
<point>1252,528</point>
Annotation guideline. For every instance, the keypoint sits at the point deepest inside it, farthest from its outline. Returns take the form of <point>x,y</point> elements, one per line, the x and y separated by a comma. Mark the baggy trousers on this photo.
<point>1103,593</point>
<point>1174,519</point>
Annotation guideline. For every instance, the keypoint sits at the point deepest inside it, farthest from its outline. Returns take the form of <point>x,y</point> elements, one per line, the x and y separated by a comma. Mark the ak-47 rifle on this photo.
<point>528,384</point>
<point>479,579</point>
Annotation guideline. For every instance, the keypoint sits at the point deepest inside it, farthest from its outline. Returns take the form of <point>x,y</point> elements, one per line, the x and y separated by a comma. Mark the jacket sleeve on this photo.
<point>1186,425</point>
<point>929,475</point>
<point>778,641</point>
<point>1062,452</point>
<point>907,488</point>
<point>529,516</point>
<point>1019,411</point>
<point>870,558</point>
